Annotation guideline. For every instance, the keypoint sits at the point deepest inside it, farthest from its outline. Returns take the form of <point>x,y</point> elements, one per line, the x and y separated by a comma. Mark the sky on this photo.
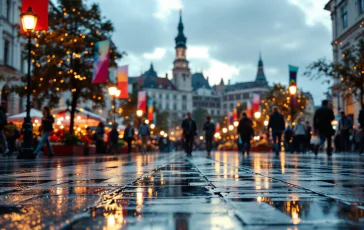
<point>224,37</point>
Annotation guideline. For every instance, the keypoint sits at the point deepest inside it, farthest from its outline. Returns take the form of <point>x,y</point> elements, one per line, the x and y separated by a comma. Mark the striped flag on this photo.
<point>101,62</point>
<point>150,110</point>
<point>122,79</point>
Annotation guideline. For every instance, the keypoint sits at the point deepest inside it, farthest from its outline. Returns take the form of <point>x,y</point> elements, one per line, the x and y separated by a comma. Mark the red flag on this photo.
<point>142,101</point>
<point>40,8</point>
<point>236,117</point>
<point>122,79</point>
<point>217,127</point>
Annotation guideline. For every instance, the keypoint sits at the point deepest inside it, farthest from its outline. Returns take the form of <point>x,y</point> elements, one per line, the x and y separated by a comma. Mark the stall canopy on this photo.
<point>82,117</point>
<point>34,114</point>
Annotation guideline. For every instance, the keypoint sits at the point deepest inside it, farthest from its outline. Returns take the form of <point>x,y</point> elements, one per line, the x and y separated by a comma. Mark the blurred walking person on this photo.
<point>46,129</point>
<point>129,135</point>
<point>99,137</point>
<point>3,122</point>
<point>322,126</point>
<point>209,129</point>
<point>345,129</point>
<point>12,134</point>
<point>189,132</point>
<point>113,139</point>
<point>277,124</point>
<point>299,131</point>
<point>246,132</point>
<point>361,131</point>
<point>288,134</point>
<point>144,133</point>
<point>308,147</point>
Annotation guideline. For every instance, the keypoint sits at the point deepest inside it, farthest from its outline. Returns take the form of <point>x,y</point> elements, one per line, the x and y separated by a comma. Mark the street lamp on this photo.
<point>224,130</point>
<point>29,20</point>
<point>231,127</point>
<point>293,91</point>
<point>257,115</point>
<point>266,123</point>
<point>139,114</point>
<point>114,93</point>
<point>236,123</point>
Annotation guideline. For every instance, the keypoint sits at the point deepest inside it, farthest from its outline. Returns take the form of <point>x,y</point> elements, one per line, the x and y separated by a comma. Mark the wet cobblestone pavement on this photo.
<point>225,190</point>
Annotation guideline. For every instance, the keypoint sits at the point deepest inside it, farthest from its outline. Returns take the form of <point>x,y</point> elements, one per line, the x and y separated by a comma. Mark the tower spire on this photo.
<point>180,39</point>
<point>260,78</point>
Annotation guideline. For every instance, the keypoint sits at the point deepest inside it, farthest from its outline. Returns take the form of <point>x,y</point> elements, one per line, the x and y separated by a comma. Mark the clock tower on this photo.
<point>181,71</point>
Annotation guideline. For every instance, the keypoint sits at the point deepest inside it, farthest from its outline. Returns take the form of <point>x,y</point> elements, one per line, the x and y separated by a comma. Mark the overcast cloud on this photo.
<point>224,37</point>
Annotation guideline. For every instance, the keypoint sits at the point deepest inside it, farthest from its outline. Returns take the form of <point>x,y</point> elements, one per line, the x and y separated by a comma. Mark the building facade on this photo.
<point>186,92</point>
<point>12,53</point>
<point>241,93</point>
<point>347,18</point>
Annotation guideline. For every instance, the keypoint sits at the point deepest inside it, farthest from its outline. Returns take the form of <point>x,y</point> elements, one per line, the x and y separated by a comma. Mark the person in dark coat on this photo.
<point>12,134</point>
<point>46,128</point>
<point>189,132</point>
<point>322,126</point>
<point>361,134</point>
<point>288,134</point>
<point>308,136</point>
<point>129,133</point>
<point>3,123</point>
<point>113,139</point>
<point>209,129</point>
<point>99,136</point>
<point>277,124</point>
<point>246,131</point>
<point>345,126</point>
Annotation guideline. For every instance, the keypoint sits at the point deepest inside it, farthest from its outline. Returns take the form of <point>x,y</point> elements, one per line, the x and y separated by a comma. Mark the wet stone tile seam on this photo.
<point>108,198</point>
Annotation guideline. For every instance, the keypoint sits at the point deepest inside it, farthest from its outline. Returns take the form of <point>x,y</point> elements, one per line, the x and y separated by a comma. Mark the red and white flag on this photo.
<point>142,101</point>
<point>256,103</point>
<point>122,79</point>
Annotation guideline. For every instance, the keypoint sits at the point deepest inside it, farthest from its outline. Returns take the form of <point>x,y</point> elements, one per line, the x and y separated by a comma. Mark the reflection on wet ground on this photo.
<point>225,190</point>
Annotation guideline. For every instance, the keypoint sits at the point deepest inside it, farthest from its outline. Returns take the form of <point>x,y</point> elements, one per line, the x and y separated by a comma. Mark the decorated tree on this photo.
<point>62,57</point>
<point>348,75</point>
<point>278,96</point>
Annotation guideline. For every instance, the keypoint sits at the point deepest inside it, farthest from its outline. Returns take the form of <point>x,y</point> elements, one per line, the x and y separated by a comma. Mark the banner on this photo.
<point>217,127</point>
<point>235,112</point>
<point>122,79</point>
<point>150,111</point>
<point>142,101</point>
<point>101,62</point>
<point>155,118</point>
<point>256,102</point>
<point>292,75</point>
<point>40,8</point>
<point>249,109</point>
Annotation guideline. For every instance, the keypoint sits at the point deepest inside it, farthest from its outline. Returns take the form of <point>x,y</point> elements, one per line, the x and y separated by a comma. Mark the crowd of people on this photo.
<point>300,137</point>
